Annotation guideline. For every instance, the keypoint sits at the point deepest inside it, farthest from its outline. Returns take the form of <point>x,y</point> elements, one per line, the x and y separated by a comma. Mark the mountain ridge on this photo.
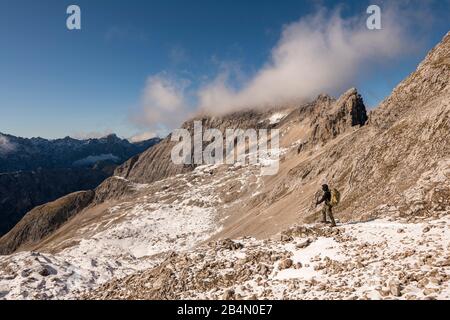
<point>35,171</point>
<point>25,154</point>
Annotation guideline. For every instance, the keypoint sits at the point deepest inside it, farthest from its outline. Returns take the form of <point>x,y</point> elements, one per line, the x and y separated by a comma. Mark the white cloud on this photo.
<point>6,146</point>
<point>319,53</point>
<point>163,103</point>
<point>93,159</point>
<point>91,134</point>
<point>142,136</point>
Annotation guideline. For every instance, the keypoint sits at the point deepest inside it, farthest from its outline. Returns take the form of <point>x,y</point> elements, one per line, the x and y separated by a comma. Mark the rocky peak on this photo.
<point>333,117</point>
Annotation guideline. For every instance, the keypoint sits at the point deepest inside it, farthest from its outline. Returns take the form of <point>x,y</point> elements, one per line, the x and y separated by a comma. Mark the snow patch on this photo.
<point>277,117</point>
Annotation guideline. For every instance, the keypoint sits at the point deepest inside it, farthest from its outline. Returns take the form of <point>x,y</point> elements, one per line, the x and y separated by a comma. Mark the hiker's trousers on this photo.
<point>327,210</point>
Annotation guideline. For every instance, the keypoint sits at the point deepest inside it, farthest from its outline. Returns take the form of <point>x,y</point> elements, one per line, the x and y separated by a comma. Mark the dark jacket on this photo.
<point>326,197</point>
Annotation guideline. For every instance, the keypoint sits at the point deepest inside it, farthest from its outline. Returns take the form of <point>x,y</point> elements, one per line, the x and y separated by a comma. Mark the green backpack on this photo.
<point>335,197</point>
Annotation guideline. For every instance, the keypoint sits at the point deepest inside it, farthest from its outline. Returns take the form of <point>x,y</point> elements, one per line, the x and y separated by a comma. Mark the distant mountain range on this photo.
<point>23,154</point>
<point>35,171</point>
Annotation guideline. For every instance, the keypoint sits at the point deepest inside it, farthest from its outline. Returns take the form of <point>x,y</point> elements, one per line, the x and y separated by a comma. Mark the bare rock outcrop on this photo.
<point>113,188</point>
<point>335,117</point>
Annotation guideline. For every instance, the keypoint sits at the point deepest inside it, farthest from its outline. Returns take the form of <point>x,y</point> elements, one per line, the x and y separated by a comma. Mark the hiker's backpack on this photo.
<point>335,197</point>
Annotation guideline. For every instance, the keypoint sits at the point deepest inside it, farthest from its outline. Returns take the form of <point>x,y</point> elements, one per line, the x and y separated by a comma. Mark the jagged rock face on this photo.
<point>43,221</point>
<point>335,117</point>
<point>402,169</point>
<point>378,167</point>
<point>415,124</point>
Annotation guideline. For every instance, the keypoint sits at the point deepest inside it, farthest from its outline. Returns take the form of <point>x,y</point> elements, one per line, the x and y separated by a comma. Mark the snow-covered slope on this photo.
<point>156,244</point>
<point>366,260</point>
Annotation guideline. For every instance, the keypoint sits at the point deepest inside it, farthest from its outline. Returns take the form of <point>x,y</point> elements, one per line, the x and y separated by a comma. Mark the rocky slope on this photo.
<point>379,259</point>
<point>155,164</point>
<point>156,230</point>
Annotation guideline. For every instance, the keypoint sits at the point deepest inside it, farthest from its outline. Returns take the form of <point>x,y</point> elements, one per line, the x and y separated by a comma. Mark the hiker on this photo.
<point>327,207</point>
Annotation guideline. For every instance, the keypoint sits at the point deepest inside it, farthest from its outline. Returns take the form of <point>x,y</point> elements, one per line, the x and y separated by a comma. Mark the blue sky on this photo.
<point>55,82</point>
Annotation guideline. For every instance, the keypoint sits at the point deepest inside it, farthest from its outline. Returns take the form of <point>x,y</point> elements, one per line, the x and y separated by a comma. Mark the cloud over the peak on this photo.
<point>6,146</point>
<point>163,103</point>
<point>142,136</point>
<point>83,135</point>
<point>319,53</point>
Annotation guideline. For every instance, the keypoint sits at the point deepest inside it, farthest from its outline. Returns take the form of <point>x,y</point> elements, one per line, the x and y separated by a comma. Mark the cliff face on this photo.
<point>335,117</point>
<point>382,165</point>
